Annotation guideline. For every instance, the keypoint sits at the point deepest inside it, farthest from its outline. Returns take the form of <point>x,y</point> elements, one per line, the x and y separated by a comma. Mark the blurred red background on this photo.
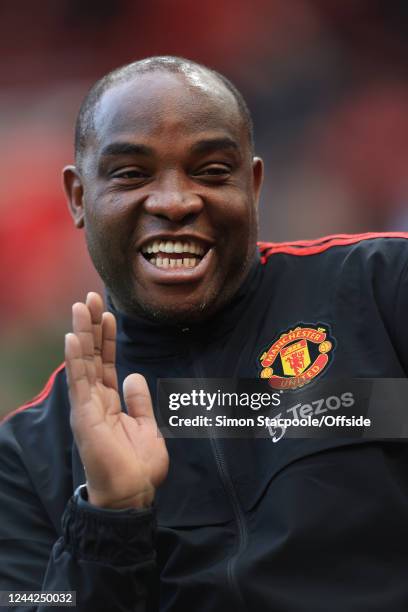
<point>327,84</point>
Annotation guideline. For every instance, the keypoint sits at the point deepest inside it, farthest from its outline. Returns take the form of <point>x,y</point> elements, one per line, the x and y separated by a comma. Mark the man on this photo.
<point>166,187</point>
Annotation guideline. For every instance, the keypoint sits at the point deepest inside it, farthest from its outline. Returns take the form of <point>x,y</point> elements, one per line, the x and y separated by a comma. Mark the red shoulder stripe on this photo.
<point>311,247</point>
<point>38,398</point>
<point>320,240</point>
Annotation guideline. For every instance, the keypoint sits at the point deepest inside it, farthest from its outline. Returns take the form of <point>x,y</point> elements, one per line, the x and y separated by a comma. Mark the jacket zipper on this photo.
<point>239,517</point>
<point>229,488</point>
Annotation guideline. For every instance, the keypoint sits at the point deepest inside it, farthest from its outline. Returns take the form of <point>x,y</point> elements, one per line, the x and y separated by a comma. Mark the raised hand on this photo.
<point>124,456</point>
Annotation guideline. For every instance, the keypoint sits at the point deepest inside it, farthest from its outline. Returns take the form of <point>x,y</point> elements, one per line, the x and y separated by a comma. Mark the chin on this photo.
<point>178,312</point>
<point>187,314</point>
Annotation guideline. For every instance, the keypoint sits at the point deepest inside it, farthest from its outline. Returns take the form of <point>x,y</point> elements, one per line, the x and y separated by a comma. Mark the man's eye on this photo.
<point>130,174</point>
<point>213,171</point>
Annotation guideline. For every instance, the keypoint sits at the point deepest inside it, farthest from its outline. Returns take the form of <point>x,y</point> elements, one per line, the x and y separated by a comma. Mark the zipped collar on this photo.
<point>142,338</point>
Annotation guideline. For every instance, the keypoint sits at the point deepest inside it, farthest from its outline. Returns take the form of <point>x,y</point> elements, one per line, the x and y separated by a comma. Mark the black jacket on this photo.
<point>302,525</point>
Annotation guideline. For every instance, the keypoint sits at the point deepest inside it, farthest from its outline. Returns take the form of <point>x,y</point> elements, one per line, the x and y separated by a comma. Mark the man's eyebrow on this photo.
<point>125,148</point>
<point>215,144</point>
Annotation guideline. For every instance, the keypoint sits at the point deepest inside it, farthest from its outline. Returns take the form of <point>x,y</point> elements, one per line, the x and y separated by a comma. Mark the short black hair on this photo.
<point>167,63</point>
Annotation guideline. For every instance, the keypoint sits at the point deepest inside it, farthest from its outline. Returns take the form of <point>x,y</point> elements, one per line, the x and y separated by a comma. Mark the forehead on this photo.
<point>166,106</point>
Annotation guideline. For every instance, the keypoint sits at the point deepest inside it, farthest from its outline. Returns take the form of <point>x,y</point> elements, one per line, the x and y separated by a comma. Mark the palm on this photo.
<point>124,456</point>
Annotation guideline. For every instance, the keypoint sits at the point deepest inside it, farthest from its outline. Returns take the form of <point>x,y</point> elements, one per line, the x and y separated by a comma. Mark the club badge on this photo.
<point>297,356</point>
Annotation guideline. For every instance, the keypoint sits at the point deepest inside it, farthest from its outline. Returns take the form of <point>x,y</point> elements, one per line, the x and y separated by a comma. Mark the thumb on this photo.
<point>137,397</point>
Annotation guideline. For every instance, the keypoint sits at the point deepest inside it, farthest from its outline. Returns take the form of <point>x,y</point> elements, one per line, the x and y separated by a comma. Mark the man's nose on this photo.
<point>172,198</point>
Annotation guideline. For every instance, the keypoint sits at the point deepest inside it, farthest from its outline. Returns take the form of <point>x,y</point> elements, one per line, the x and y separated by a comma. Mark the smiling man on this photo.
<point>166,177</point>
<point>92,500</point>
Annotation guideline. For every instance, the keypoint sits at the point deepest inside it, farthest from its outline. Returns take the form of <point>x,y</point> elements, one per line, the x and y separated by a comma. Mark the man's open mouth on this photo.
<point>174,253</point>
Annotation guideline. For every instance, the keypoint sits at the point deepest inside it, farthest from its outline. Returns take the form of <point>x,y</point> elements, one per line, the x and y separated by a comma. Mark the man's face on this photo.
<point>167,192</point>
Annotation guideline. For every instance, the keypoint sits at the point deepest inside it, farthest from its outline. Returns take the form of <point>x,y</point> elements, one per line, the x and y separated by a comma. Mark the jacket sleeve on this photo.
<point>401,314</point>
<point>382,276</point>
<point>107,557</point>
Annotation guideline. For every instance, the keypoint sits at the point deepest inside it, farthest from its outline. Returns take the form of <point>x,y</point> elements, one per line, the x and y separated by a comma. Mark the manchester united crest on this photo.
<point>297,356</point>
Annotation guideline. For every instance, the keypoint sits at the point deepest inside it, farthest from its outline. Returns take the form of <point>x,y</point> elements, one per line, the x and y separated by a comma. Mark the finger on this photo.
<point>137,397</point>
<point>95,306</point>
<point>78,382</point>
<point>82,327</point>
<point>109,377</point>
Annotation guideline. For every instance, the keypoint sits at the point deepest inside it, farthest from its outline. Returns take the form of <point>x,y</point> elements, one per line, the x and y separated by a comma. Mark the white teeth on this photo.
<point>174,246</point>
<point>170,262</point>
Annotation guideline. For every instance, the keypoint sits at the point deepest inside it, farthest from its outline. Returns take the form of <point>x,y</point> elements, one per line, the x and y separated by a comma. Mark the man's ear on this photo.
<point>75,194</point>
<point>257,176</point>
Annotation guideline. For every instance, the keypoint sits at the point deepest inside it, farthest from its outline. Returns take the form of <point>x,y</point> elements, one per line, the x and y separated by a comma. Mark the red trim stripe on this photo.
<point>312,247</point>
<point>38,398</point>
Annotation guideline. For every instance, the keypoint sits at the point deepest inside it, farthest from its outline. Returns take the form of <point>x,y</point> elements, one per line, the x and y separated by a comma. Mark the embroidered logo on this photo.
<point>297,357</point>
